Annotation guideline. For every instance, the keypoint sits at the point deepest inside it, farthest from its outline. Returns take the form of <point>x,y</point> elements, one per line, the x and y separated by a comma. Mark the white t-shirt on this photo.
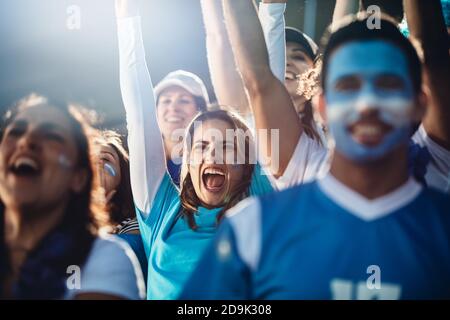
<point>438,170</point>
<point>311,160</point>
<point>111,268</point>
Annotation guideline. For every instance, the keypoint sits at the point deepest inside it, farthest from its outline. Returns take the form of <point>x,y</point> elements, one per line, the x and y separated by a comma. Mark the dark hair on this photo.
<point>121,206</point>
<point>44,271</point>
<point>393,8</point>
<point>189,200</point>
<point>354,28</point>
<point>308,122</point>
<point>308,45</point>
<point>201,104</point>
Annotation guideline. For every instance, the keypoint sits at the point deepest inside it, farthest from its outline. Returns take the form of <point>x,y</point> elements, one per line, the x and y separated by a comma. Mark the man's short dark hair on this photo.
<point>355,29</point>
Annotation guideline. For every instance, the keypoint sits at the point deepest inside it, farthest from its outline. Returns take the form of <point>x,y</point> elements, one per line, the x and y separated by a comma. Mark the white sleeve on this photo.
<point>147,158</point>
<point>112,269</point>
<point>271,16</point>
<point>309,161</point>
<point>438,170</point>
<point>245,219</point>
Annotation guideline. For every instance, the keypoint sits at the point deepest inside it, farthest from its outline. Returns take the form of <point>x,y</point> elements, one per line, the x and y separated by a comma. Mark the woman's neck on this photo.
<point>169,147</point>
<point>25,229</point>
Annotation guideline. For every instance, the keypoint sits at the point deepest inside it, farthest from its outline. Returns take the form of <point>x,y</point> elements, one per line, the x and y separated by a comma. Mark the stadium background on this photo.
<point>39,53</point>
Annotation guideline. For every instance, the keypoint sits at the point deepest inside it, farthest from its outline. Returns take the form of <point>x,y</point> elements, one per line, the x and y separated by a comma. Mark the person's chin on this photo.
<point>25,202</point>
<point>174,125</point>
<point>213,200</point>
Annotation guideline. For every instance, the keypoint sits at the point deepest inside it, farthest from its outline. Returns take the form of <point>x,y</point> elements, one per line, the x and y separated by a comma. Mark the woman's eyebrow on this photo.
<point>19,123</point>
<point>109,153</point>
<point>51,126</point>
<point>295,50</point>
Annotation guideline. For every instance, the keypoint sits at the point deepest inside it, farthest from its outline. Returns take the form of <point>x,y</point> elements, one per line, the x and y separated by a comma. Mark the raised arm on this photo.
<point>432,41</point>
<point>343,8</point>
<point>271,15</point>
<point>271,104</point>
<point>226,80</point>
<point>147,159</point>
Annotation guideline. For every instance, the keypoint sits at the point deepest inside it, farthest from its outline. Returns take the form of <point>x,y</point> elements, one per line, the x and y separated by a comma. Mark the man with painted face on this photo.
<point>367,230</point>
<point>370,106</point>
<point>303,159</point>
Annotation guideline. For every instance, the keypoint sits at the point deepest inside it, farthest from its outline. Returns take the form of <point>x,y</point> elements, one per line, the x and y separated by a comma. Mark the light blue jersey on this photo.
<point>173,249</point>
<point>319,241</point>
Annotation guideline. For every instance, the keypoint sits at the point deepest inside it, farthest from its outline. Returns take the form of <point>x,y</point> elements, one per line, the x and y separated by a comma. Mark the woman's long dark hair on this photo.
<point>189,199</point>
<point>309,123</point>
<point>43,273</point>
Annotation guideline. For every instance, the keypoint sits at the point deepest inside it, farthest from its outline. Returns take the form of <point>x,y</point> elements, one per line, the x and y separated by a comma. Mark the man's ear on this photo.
<point>322,107</point>
<point>79,180</point>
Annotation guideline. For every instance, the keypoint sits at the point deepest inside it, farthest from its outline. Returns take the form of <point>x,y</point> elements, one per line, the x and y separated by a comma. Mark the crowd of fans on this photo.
<point>318,166</point>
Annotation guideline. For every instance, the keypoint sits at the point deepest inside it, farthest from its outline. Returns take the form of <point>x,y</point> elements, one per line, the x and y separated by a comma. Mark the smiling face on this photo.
<point>176,108</point>
<point>109,168</point>
<point>38,157</point>
<point>297,62</point>
<point>370,99</point>
<point>213,177</point>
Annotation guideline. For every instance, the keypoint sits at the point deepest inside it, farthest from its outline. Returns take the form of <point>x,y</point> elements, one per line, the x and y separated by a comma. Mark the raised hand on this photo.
<point>271,103</point>
<point>431,39</point>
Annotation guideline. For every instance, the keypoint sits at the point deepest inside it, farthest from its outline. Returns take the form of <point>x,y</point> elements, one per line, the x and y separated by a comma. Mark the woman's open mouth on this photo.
<point>214,179</point>
<point>174,119</point>
<point>25,167</point>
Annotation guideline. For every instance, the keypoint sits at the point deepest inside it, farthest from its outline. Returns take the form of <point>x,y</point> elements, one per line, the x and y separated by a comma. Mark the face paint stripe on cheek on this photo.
<point>64,162</point>
<point>110,169</point>
<point>395,111</point>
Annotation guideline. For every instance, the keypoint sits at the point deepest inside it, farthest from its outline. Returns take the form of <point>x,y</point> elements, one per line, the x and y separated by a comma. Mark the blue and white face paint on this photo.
<point>369,76</point>
<point>110,169</point>
<point>64,162</point>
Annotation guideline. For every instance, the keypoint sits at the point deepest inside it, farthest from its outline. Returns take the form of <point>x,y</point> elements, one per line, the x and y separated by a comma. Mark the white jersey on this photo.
<point>111,268</point>
<point>438,170</point>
